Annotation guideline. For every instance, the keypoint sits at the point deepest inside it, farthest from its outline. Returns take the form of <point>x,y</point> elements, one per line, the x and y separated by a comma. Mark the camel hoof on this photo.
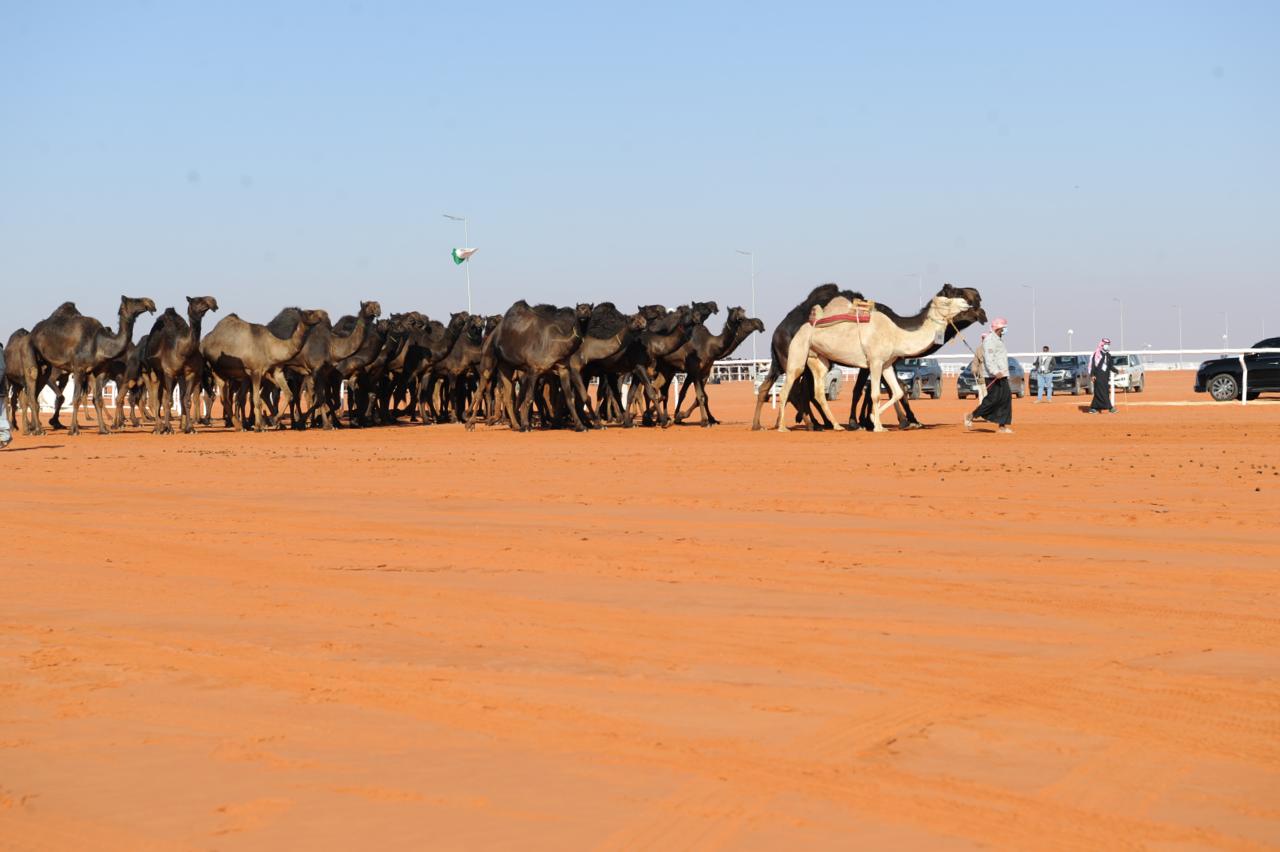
<point>837,427</point>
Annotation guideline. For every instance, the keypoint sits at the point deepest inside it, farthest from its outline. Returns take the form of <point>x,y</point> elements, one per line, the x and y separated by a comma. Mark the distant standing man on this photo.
<point>997,408</point>
<point>1044,375</point>
<point>1101,366</point>
<point>5,436</point>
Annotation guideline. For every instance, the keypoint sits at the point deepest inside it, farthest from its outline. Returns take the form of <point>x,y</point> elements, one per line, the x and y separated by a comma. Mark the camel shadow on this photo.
<point>33,449</point>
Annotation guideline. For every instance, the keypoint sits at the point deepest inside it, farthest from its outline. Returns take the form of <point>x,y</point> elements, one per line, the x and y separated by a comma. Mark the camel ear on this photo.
<point>190,301</point>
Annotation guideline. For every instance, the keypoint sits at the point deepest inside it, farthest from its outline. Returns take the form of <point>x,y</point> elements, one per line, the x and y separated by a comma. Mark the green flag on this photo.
<point>460,255</point>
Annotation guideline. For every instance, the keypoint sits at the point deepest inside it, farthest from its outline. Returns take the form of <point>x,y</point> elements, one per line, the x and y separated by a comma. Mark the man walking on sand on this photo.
<point>997,408</point>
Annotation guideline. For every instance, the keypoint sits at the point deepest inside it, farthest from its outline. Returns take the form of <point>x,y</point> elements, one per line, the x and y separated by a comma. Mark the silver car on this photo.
<point>1130,374</point>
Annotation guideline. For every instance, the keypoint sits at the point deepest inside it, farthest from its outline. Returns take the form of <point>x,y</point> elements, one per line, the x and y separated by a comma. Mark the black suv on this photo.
<point>919,376</point>
<point>1070,373</point>
<point>1221,378</point>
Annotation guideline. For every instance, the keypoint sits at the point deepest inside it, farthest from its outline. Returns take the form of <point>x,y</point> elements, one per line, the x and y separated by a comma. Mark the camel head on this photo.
<point>948,304</point>
<point>703,310</point>
<point>457,321</point>
<point>756,324</point>
<point>637,322</point>
<point>582,312</point>
<point>974,313</point>
<point>370,310</point>
<point>310,318</point>
<point>133,307</point>
<point>652,312</point>
<point>736,316</point>
<point>491,322</point>
<point>475,327</point>
<point>201,305</point>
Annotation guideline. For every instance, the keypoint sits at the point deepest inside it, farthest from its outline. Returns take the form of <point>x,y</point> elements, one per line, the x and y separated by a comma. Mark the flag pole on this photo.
<point>466,241</point>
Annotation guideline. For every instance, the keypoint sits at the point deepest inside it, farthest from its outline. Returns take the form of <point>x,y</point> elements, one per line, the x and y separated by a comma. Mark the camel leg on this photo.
<point>895,392</point>
<point>797,359</point>
<point>97,383</point>
<point>819,367</point>
<point>566,387</point>
<point>528,387</point>
<point>763,394</point>
<point>79,379</point>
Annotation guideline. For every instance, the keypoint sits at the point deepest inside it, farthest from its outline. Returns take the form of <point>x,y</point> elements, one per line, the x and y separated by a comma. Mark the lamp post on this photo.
<point>466,243</point>
<point>1070,332</point>
<point>1179,308</point>
<point>1226,328</point>
<point>1034,347</point>
<point>1121,301</point>
<point>753,302</point>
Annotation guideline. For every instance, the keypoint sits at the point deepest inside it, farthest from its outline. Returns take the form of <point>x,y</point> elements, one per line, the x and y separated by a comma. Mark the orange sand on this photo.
<point>423,638</point>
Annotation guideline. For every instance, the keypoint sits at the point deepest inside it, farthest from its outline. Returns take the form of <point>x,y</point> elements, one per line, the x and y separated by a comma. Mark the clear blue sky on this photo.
<point>273,153</point>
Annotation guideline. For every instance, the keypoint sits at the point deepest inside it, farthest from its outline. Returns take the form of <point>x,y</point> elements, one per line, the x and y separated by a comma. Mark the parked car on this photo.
<point>1070,375</point>
<point>1223,380</point>
<point>1130,374</point>
<point>835,381</point>
<point>920,376</point>
<point>966,386</point>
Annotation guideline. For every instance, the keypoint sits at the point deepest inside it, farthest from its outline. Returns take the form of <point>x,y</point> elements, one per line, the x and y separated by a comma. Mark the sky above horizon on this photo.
<point>283,153</point>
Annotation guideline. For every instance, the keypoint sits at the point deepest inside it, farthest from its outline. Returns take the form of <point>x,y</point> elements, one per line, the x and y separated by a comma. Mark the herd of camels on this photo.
<point>532,361</point>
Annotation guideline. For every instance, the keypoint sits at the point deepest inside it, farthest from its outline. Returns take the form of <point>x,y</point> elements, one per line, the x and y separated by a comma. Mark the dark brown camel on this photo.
<point>664,333</point>
<point>322,349</point>
<point>609,332</point>
<point>81,346</point>
<point>172,359</point>
<point>696,358</point>
<point>453,370</point>
<point>245,352</point>
<point>19,360</point>
<point>536,342</point>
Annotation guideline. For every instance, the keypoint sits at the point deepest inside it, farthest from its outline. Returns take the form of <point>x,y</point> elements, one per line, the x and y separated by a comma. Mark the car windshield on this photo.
<point>911,362</point>
<point>1064,360</point>
<point>1127,360</point>
<point>1269,343</point>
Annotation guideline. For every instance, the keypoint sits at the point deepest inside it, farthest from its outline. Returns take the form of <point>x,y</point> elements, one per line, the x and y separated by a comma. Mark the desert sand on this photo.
<point>412,638</point>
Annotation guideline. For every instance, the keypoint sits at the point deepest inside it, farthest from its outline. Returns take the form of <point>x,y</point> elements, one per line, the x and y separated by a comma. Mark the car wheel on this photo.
<point>915,390</point>
<point>1075,388</point>
<point>1142,384</point>
<point>1224,387</point>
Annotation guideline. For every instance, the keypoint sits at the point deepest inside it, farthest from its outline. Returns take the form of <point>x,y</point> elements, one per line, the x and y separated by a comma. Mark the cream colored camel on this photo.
<point>873,345</point>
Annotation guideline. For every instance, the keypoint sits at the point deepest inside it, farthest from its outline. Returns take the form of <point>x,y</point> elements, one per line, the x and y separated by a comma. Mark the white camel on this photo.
<point>867,336</point>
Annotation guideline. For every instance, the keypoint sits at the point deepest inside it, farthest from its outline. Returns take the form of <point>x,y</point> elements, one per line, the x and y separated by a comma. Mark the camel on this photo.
<point>861,400</point>
<point>696,358</point>
<point>665,331</point>
<point>239,351</point>
<point>875,340</point>
<point>536,341</point>
<point>802,392</point>
<point>609,332</point>
<point>19,359</point>
<point>172,358</point>
<point>313,364</point>
<point>452,371</point>
<point>81,346</point>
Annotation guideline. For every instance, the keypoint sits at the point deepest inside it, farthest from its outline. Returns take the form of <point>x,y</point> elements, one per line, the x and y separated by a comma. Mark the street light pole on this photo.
<point>753,301</point>
<point>1179,307</point>
<point>1121,301</point>
<point>466,243</point>
<point>1070,332</point>
<point>1034,346</point>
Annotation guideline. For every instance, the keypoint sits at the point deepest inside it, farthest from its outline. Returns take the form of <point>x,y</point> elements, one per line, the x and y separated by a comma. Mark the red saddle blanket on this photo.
<point>859,312</point>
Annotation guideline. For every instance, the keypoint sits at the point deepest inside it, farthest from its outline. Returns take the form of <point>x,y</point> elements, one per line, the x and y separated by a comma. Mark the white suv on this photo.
<point>1130,374</point>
